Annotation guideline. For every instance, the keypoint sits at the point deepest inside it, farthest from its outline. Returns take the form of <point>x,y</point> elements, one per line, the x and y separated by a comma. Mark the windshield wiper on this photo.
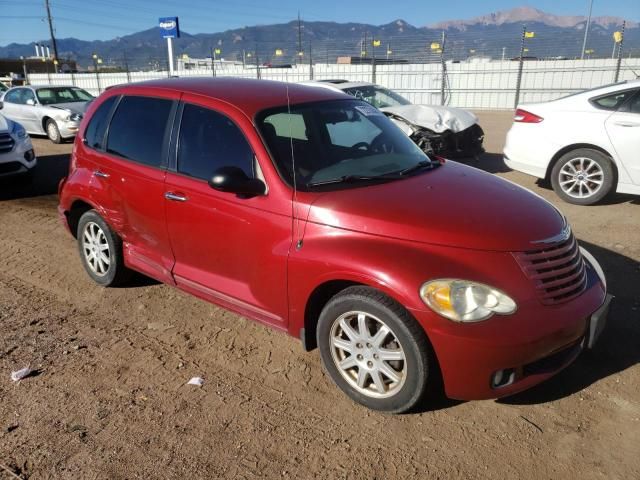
<point>427,164</point>
<point>351,179</point>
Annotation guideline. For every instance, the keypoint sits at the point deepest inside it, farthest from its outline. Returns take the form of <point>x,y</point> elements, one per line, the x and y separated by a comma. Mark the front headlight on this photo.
<point>75,117</point>
<point>465,301</point>
<point>18,130</point>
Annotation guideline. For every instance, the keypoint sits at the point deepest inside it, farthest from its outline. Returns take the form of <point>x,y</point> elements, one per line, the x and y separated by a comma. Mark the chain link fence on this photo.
<point>472,85</point>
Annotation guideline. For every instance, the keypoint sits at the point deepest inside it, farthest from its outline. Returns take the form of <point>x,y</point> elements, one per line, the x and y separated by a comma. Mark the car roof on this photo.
<point>249,95</point>
<point>338,84</point>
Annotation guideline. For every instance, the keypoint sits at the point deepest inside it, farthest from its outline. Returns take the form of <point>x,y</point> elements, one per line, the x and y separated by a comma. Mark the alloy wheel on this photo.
<point>581,177</point>
<point>368,354</point>
<point>96,249</point>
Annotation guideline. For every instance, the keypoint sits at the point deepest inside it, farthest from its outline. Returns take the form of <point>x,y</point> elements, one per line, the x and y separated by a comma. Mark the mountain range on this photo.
<point>491,35</point>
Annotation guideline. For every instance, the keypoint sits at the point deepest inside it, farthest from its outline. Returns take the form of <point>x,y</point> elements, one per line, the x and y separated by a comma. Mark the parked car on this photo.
<point>586,144</point>
<point>16,152</point>
<point>311,212</point>
<point>46,109</point>
<point>448,131</point>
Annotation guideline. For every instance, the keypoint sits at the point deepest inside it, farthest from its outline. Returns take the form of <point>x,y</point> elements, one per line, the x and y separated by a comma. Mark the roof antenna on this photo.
<point>294,204</point>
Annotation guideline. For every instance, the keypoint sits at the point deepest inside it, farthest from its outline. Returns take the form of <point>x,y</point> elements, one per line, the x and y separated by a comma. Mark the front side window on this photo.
<point>344,139</point>
<point>377,96</point>
<point>94,134</point>
<point>137,129</point>
<point>208,141</point>
<point>14,96</point>
<point>53,95</point>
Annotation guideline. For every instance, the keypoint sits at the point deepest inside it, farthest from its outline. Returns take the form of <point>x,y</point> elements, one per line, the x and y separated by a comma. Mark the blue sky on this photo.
<point>22,21</point>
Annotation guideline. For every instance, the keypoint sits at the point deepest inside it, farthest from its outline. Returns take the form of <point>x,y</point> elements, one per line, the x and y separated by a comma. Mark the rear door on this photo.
<point>228,249</point>
<point>128,173</point>
<point>623,128</point>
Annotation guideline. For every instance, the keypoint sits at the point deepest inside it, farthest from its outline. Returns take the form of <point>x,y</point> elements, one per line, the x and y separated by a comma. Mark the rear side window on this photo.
<point>613,101</point>
<point>137,129</point>
<point>209,140</point>
<point>94,135</point>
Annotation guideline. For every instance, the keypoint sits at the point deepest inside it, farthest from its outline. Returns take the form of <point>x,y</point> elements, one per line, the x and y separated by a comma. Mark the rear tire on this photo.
<point>583,176</point>
<point>100,251</point>
<point>374,350</point>
<point>53,132</point>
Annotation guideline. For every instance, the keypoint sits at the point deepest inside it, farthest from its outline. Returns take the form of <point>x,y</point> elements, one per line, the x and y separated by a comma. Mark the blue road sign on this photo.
<point>169,27</point>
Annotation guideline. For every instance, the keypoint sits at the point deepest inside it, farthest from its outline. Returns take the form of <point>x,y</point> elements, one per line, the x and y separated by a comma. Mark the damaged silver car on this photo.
<point>447,131</point>
<point>54,111</point>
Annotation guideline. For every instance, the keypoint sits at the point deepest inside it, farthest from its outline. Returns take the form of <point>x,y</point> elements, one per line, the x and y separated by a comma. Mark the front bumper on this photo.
<point>20,159</point>
<point>466,143</point>
<point>68,129</point>
<point>533,344</point>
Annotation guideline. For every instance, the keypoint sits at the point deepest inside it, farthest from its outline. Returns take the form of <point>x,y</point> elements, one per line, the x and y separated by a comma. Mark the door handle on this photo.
<point>98,173</point>
<point>627,124</point>
<point>176,197</point>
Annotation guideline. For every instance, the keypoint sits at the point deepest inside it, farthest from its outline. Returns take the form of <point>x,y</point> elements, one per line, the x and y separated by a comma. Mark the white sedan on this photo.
<point>16,152</point>
<point>586,144</point>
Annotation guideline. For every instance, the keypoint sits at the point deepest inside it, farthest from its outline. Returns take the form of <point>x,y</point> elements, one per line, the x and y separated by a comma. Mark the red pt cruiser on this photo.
<point>308,210</point>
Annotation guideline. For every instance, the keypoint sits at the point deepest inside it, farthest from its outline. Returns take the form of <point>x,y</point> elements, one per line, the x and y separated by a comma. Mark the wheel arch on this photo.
<point>576,146</point>
<point>76,210</point>
<point>45,119</point>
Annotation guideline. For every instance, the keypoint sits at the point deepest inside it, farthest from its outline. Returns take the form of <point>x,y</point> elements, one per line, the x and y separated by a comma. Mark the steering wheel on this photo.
<point>360,146</point>
<point>380,145</point>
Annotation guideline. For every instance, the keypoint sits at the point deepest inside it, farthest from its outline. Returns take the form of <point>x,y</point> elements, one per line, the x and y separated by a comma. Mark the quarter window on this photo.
<point>209,140</point>
<point>94,135</point>
<point>612,102</point>
<point>138,128</point>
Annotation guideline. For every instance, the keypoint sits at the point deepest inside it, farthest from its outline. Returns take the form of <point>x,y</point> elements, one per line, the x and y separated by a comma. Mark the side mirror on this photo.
<point>31,102</point>
<point>234,180</point>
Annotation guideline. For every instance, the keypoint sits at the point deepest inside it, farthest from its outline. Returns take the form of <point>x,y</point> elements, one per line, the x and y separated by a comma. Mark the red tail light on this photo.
<point>522,116</point>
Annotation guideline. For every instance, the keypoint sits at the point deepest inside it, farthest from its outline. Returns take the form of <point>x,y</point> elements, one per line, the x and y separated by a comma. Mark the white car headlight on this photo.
<point>18,130</point>
<point>75,117</point>
<point>465,301</point>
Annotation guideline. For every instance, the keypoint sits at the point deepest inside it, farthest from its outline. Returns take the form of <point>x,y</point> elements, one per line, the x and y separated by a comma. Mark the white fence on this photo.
<point>483,85</point>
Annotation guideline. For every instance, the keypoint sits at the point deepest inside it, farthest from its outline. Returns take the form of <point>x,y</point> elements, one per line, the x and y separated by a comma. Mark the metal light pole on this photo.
<point>586,30</point>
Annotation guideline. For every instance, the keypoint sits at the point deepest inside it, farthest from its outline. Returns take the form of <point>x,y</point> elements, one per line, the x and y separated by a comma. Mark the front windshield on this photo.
<point>377,96</point>
<point>336,140</point>
<point>50,96</point>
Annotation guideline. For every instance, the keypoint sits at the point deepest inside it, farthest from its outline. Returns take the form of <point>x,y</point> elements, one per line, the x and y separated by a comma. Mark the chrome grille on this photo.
<point>558,271</point>
<point>6,143</point>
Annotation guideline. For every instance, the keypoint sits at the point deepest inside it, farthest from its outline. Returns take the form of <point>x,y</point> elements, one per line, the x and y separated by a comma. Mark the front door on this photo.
<point>229,250</point>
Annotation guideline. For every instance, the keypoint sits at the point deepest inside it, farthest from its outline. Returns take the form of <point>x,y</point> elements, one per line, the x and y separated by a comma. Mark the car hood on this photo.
<point>453,205</point>
<point>73,107</point>
<point>435,118</point>
<point>4,124</point>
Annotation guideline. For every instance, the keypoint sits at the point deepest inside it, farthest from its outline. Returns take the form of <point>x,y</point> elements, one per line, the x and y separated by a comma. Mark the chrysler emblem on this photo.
<point>564,235</point>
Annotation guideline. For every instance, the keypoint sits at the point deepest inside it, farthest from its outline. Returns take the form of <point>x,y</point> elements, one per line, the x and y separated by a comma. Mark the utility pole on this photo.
<point>586,31</point>
<point>53,37</point>
<point>299,37</point>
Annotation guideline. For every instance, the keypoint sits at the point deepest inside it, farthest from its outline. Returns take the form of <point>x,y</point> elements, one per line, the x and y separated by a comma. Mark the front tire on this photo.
<point>373,350</point>
<point>583,176</point>
<point>53,132</point>
<point>101,251</point>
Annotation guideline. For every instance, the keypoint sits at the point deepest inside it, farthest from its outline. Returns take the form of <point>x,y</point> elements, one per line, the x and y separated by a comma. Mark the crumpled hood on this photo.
<point>73,107</point>
<point>435,118</point>
<point>453,205</point>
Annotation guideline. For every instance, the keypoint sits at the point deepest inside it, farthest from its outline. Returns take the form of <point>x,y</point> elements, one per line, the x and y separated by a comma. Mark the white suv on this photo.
<point>587,144</point>
<point>16,152</point>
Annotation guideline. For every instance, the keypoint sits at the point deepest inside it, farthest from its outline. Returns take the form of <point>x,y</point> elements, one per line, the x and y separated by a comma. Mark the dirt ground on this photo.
<point>110,400</point>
